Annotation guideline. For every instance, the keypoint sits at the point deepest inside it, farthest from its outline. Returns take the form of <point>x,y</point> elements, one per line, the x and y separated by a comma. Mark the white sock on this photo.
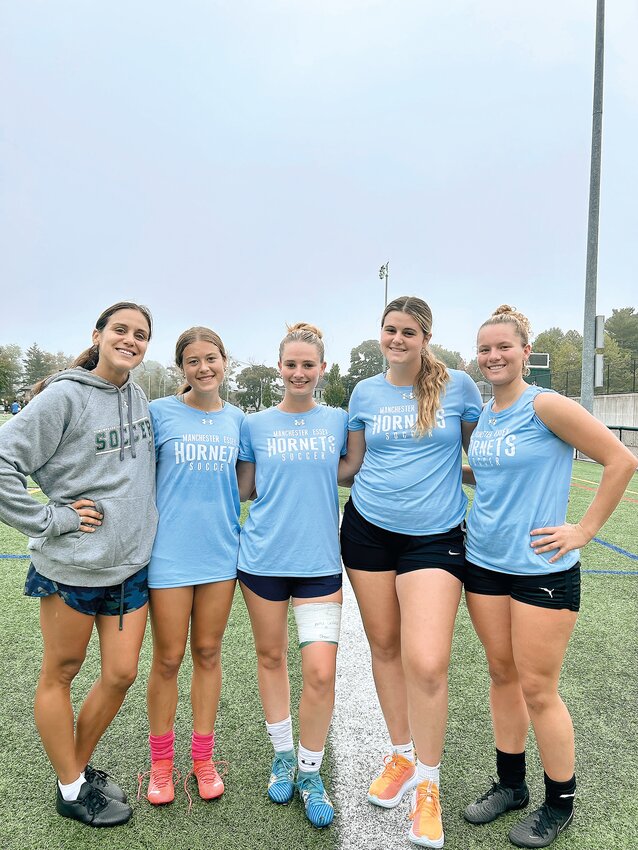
<point>425,772</point>
<point>309,761</point>
<point>405,750</point>
<point>70,792</point>
<point>280,735</point>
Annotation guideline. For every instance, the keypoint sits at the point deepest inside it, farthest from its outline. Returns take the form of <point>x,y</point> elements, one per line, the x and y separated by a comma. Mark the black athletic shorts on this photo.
<point>365,546</point>
<point>551,590</point>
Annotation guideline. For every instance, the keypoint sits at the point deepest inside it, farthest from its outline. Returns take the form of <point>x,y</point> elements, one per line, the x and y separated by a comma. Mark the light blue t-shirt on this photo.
<point>523,473</point>
<point>197,494</point>
<point>293,525</point>
<point>408,484</point>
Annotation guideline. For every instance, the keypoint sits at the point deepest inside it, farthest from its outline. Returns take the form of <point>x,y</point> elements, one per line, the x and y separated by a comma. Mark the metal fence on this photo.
<point>617,378</point>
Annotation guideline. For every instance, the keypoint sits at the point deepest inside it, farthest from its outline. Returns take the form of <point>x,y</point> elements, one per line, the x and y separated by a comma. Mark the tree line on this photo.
<point>255,385</point>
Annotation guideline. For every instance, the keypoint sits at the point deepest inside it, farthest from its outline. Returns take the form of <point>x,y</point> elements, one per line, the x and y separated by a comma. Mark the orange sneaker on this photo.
<point>209,782</point>
<point>398,777</point>
<point>160,785</point>
<point>427,825</point>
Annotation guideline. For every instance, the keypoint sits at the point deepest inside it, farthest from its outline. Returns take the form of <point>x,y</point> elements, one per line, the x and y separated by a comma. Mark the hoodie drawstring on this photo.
<point>119,410</point>
<point>130,421</point>
<point>129,402</point>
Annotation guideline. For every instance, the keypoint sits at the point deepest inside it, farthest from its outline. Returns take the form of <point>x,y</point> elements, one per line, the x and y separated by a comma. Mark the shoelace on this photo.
<point>495,787</point>
<point>314,788</point>
<point>207,776</point>
<point>95,801</point>
<point>392,769</point>
<point>426,802</point>
<point>162,778</point>
<point>545,821</point>
<point>93,775</point>
<point>282,768</point>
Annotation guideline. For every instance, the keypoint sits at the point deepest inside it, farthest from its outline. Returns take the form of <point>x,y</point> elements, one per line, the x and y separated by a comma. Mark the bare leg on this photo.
<point>120,652</point>
<point>539,639</point>
<point>66,634</point>
<point>170,615</point>
<point>318,667</point>
<point>429,600</point>
<point>493,624</point>
<point>211,607</point>
<point>269,621</point>
<point>377,599</point>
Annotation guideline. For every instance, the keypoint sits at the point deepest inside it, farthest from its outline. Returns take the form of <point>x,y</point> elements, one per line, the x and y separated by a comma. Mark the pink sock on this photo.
<point>162,746</point>
<point>202,746</point>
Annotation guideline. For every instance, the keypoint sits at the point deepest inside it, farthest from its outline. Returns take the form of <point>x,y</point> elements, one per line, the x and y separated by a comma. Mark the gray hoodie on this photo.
<point>74,440</point>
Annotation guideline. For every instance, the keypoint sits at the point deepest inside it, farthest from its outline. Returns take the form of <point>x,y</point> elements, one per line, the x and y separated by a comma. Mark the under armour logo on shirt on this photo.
<point>207,421</point>
<point>300,421</point>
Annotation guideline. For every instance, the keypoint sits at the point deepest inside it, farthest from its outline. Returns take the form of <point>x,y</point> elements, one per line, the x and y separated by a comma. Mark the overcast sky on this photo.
<point>246,163</point>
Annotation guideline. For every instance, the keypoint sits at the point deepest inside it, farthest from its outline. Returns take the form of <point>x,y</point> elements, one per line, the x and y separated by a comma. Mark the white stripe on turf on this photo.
<point>359,740</point>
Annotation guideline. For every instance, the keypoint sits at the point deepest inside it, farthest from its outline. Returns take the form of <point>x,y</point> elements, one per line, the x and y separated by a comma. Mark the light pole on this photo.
<point>589,329</point>
<point>384,273</point>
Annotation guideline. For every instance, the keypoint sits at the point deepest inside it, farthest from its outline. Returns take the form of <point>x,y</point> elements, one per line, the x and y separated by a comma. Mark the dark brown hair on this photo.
<point>89,358</point>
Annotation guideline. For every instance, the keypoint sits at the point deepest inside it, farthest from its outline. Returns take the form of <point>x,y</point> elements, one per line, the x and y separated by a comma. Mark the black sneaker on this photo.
<point>93,808</point>
<point>541,827</point>
<point>100,779</point>
<point>495,802</point>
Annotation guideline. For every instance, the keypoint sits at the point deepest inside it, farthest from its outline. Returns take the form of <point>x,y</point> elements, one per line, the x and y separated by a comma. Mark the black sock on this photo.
<point>560,795</point>
<point>510,768</point>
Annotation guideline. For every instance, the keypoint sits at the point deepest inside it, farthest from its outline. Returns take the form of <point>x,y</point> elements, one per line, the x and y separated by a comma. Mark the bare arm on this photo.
<point>467,429</point>
<point>573,424</point>
<point>466,432</point>
<point>246,480</point>
<point>351,462</point>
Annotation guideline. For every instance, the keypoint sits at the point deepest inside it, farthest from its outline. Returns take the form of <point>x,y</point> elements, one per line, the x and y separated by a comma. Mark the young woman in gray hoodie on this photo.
<point>86,440</point>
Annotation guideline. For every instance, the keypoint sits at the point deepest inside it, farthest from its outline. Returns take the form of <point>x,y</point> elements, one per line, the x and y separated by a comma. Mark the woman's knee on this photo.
<point>503,672</point>
<point>428,674</point>
<point>272,658</point>
<point>385,648</point>
<point>120,678</point>
<point>206,656</point>
<point>60,672</point>
<point>167,665</point>
<point>539,693</point>
<point>320,679</point>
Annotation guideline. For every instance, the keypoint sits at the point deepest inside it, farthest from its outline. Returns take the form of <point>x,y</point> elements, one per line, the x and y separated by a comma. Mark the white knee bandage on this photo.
<point>318,621</point>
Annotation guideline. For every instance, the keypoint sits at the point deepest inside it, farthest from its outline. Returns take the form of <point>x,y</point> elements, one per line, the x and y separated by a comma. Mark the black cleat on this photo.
<point>93,808</point>
<point>541,827</point>
<point>100,779</point>
<point>495,802</point>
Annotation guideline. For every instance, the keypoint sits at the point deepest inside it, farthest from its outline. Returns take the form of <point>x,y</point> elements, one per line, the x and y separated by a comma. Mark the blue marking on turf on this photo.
<point>15,556</point>
<point>617,549</point>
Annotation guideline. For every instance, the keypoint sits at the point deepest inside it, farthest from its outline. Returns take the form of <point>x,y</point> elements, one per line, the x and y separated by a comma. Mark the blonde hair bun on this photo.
<point>512,314</point>
<point>301,327</point>
<point>303,332</point>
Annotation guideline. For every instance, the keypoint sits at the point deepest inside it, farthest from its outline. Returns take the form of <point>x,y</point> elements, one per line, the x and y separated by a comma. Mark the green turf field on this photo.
<point>600,685</point>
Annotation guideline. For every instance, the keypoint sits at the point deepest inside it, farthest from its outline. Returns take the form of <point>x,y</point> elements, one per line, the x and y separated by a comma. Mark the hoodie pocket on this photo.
<point>125,537</point>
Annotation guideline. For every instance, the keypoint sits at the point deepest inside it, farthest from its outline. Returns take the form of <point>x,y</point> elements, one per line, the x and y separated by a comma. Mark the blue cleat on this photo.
<point>319,810</point>
<point>281,785</point>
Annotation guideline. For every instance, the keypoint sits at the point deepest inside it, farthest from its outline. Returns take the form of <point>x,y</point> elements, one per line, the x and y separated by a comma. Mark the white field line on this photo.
<point>359,740</point>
